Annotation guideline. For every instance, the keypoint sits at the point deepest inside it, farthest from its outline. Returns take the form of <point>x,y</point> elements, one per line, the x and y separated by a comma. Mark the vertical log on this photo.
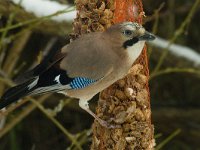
<point>127,102</point>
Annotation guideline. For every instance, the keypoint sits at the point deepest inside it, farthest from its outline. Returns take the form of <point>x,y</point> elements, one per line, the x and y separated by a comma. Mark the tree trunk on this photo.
<point>127,102</point>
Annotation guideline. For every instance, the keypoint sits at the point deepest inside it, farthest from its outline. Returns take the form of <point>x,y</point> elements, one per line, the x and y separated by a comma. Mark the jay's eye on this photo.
<point>127,32</point>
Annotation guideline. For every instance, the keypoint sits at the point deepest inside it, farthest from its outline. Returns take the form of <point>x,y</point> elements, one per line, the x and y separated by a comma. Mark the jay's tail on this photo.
<point>17,92</point>
<point>50,81</point>
<point>45,77</point>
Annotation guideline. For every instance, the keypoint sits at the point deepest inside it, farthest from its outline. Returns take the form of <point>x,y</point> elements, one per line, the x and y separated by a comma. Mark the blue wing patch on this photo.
<point>81,82</point>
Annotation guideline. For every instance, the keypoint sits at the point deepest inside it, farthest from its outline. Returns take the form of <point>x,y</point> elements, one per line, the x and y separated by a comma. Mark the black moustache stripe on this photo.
<point>130,42</point>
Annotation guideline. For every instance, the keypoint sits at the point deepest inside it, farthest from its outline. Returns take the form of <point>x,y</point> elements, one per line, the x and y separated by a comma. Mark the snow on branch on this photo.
<point>45,7</point>
<point>177,50</point>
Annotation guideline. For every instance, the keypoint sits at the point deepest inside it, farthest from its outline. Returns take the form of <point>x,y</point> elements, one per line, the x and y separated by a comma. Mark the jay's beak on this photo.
<point>147,37</point>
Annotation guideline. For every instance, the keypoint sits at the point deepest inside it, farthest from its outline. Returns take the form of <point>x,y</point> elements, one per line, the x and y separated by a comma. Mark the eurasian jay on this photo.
<point>86,66</point>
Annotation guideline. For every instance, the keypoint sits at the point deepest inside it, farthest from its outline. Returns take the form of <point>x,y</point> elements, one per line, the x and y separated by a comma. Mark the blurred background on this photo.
<point>26,36</point>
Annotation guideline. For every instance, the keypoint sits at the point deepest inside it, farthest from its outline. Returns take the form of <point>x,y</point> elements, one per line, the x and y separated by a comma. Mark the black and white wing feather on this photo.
<point>73,68</point>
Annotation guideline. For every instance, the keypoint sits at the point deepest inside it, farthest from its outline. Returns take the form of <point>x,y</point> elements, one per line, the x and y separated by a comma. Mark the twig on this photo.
<point>35,20</point>
<point>178,32</point>
<point>82,137</point>
<point>15,52</point>
<point>163,143</point>
<point>2,42</point>
<point>47,7</point>
<point>53,112</point>
<point>178,50</point>
<point>21,116</point>
<point>155,25</point>
<point>27,111</point>
<point>175,70</point>
<point>55,121</point>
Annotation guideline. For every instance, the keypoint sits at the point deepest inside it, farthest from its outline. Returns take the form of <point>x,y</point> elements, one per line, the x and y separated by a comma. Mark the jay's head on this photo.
<point>129,33</point>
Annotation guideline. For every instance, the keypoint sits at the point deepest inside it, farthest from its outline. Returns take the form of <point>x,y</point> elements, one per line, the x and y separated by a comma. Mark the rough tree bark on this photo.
<point>127,102</point>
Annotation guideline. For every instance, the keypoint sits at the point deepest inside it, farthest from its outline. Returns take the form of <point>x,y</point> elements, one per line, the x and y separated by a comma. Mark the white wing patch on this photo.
<point>55,88</point>
<point>34,83</point>
<point>57,79</point>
